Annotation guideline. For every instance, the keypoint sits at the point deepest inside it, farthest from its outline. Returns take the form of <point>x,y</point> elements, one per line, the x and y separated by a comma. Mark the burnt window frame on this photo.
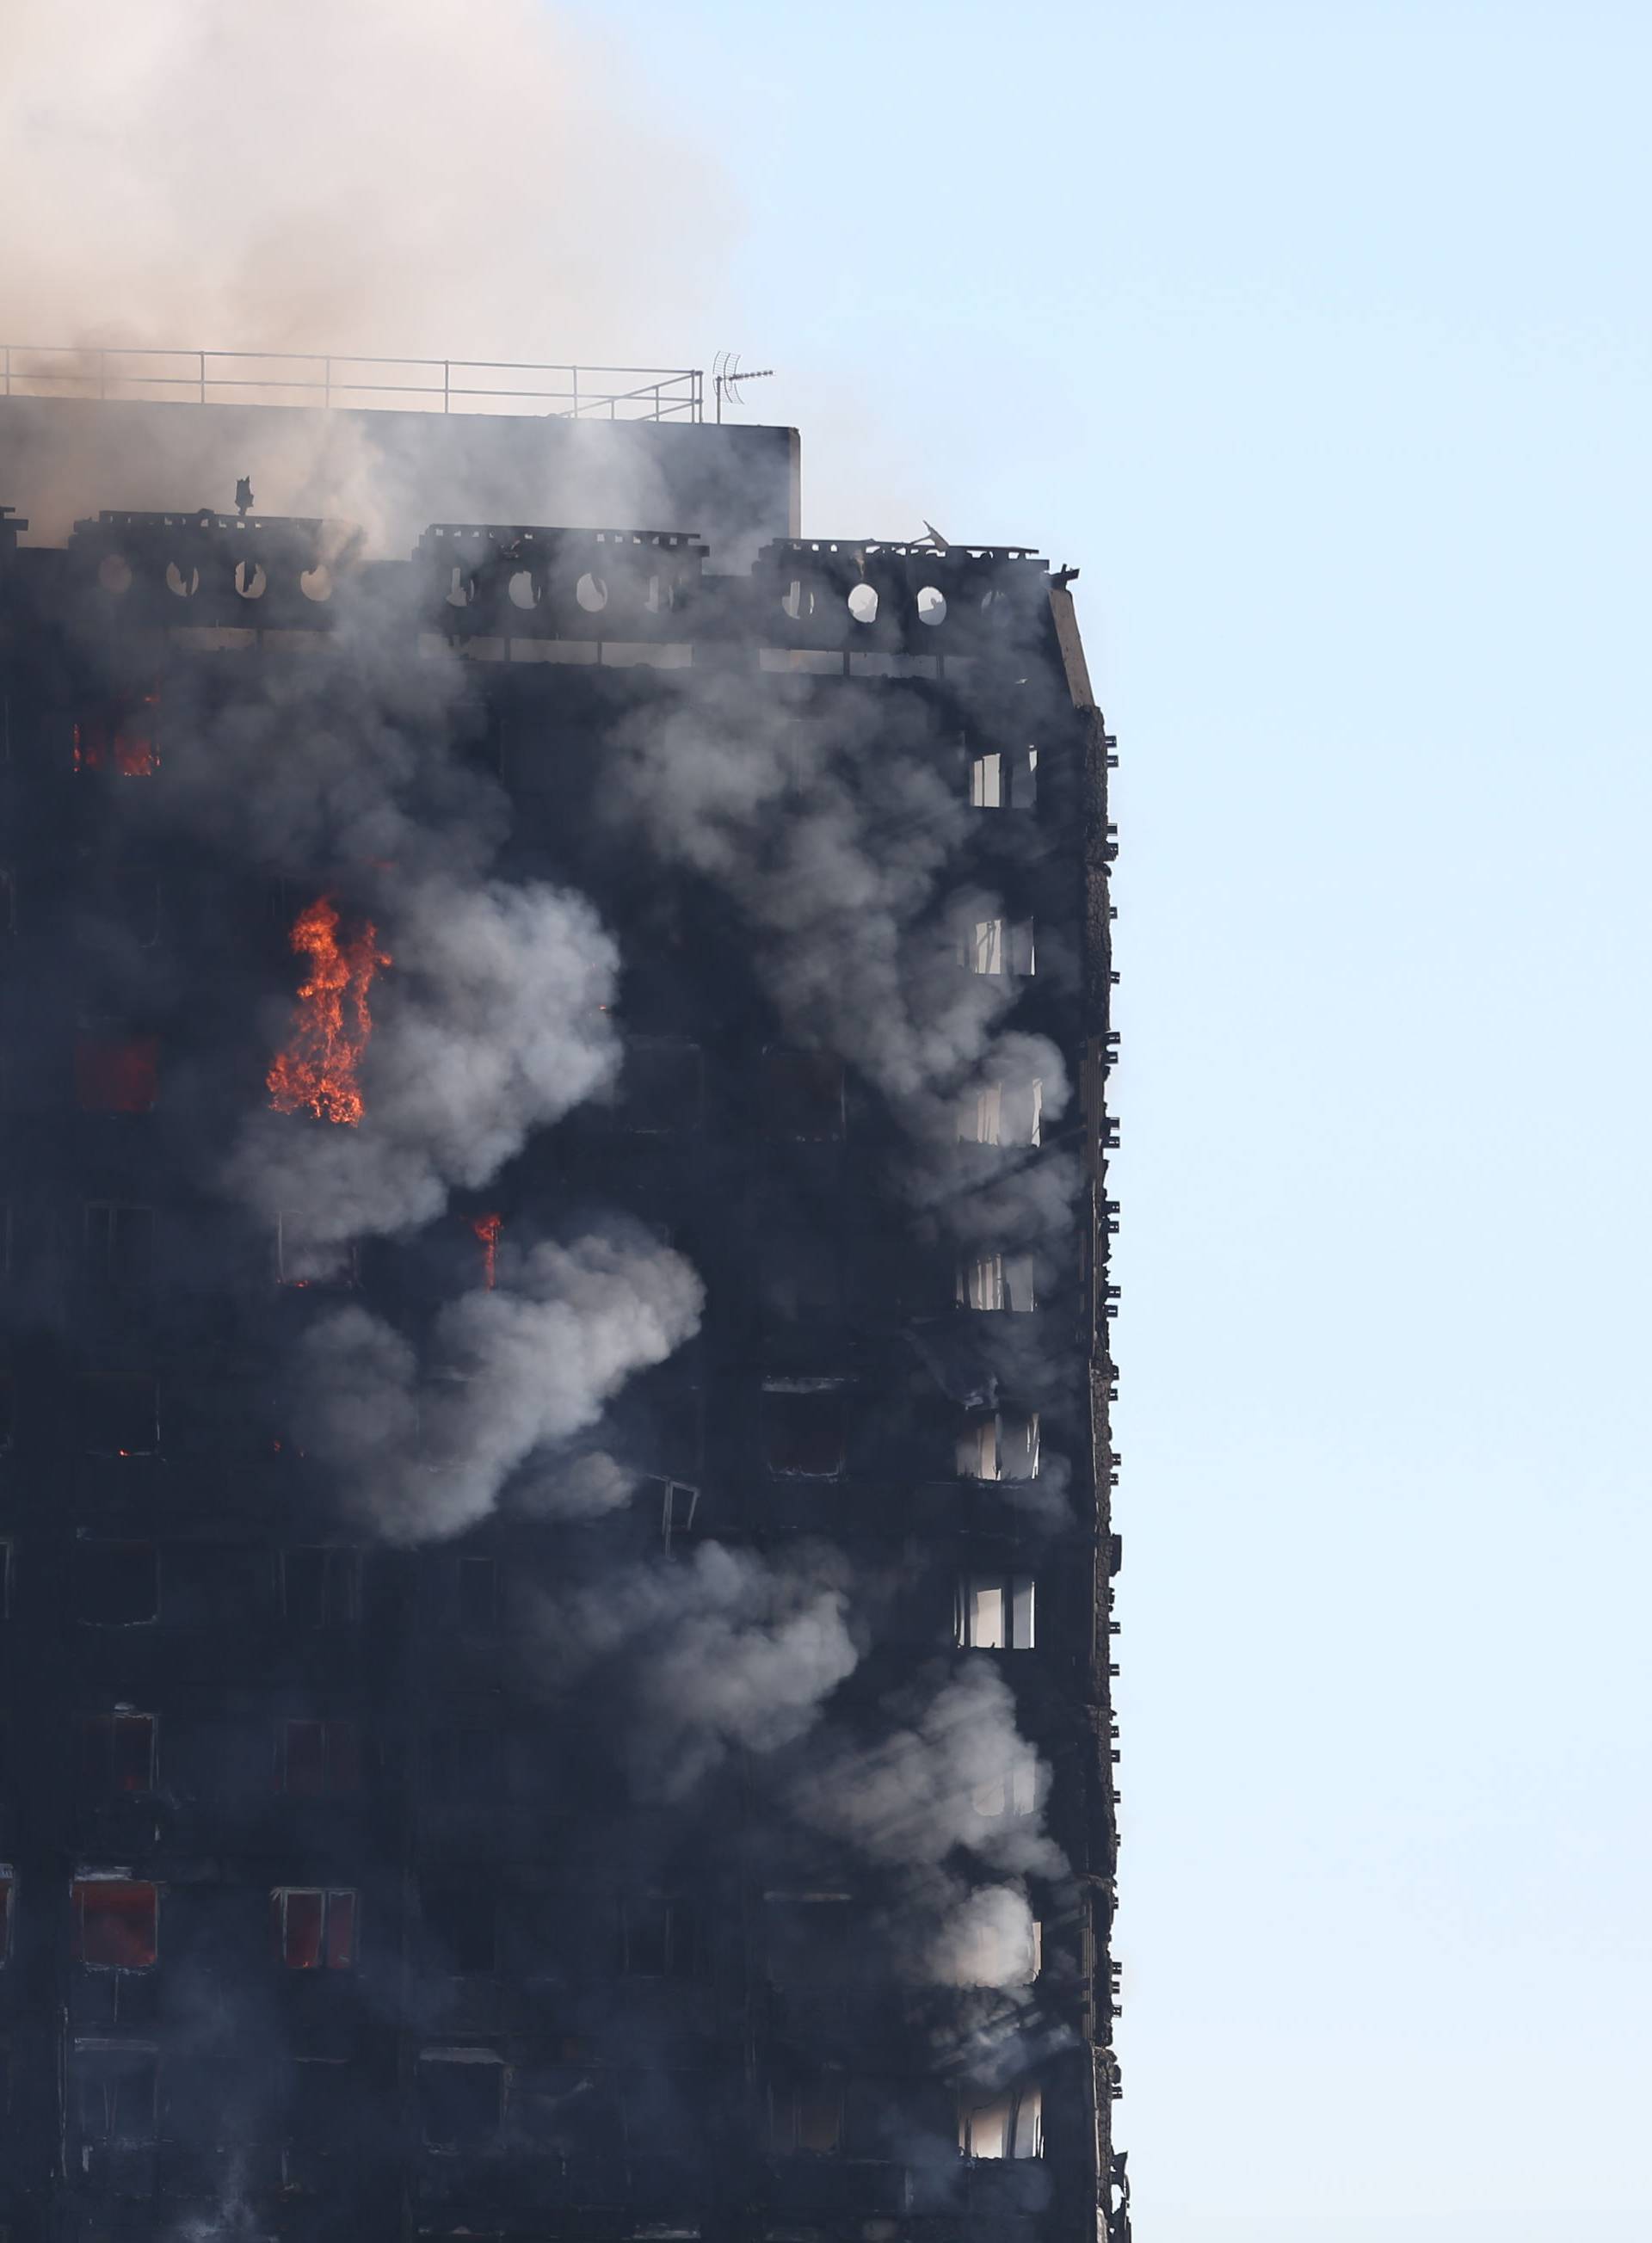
<point>340,1757</point>
<point>679,1943</point>
<point>98,1776</point>
<point>462,2059</point>
<point>130,2055</point>
<point>776,1392</point>
<point>85,1883</point>
<point>329,1915</point>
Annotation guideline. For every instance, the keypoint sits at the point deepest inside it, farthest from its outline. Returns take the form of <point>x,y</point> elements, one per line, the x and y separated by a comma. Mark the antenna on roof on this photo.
<point>727,376</point>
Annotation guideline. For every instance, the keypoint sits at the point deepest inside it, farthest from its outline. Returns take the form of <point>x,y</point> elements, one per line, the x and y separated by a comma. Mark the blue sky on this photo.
<point>1318,334</point>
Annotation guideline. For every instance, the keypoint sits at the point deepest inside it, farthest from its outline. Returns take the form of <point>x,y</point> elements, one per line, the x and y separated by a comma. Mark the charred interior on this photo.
<point>554,1471</point>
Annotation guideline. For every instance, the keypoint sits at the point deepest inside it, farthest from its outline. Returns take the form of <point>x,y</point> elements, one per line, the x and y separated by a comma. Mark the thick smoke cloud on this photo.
<point>492,1021</point>
<point>723,1651</point>
<point>423,1446</point>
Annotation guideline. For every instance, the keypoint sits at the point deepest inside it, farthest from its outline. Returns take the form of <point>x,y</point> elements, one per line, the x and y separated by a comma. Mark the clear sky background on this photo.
<point>1316,332</point>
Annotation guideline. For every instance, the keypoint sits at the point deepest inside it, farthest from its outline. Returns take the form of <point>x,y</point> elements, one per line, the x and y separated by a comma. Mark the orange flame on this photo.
<point>121,737</point>
<point>331,1022</point>
<point>488,1228</point>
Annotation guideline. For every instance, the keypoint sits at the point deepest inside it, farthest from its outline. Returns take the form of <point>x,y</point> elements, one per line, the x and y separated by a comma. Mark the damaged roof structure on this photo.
<point>554,1458</point>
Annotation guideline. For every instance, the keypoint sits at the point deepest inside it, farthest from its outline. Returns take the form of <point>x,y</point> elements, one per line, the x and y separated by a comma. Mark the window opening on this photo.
<point>659,1938</point>
<point>118,1583</point>
<point>1001,1446</point>
<point>116,1922</point>
<point>118,1245</point>
<point>301,1261</point>
<point>314,1927</point>
<point>806,1428</point>
<point>997,1281</point>
<point>1009,2126</point>
<point>1002,1113</point>
<point>118,1753</point>
<point>121,736</point>
<point>320,1587</point>
<point>806,2119</point>
<point>463,1921</point>
<point>1000,946</point>
<point>116,1074</point>
<point>462,2098</point>
<point>994,1612</point>
<point>115,2090</point>
<point>677,1506</point>
<point>320,1759</point>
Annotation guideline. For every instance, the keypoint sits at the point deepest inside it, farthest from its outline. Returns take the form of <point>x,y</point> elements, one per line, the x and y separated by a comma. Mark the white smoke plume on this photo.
<point>492,1020</point>
<point>424,1448</point>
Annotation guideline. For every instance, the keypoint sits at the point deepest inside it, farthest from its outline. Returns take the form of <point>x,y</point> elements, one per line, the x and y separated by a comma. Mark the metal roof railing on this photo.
<point>409,385</point>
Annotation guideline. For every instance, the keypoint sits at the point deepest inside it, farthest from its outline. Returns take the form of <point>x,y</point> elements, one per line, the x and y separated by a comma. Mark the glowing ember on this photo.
<point>331,1023</point>
<point>488,1228</point>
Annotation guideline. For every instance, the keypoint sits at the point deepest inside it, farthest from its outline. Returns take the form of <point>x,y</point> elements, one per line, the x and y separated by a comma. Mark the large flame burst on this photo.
<point>331,1021</point>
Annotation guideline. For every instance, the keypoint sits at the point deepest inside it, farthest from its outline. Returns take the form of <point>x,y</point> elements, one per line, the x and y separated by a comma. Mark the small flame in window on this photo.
<point>331,1022</point>
<point>488,1228</point>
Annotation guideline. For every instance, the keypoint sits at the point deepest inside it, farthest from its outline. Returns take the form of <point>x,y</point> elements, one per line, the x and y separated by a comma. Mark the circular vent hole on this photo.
<point>932,605</point>
<point>114,573</point>
<point>250,579</point>
<point>592,593</point>
<point>798,601</point>
<point>317,583</point>
<point>863,604</point>
<point>521,589</point>
<point>182,587</point>
<point>461,585</point>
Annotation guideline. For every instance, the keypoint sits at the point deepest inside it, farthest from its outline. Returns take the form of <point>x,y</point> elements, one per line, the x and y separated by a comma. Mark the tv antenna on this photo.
<point>727,376</point>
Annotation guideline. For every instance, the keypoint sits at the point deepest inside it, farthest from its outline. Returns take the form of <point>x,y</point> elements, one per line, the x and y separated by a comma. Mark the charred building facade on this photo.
<point>555,1473</point>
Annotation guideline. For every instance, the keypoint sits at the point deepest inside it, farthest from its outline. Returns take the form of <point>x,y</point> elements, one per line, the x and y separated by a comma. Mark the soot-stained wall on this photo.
<point>557,1634</point>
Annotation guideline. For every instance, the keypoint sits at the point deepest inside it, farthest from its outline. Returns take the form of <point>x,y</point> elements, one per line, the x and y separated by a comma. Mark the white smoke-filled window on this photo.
<point>1000,1944</point>
<point>1000,946</point>
<point>997,1281</point>
<point>1001,1446</point>
<point>1011,1794</point>
<point>1002,1113</point>
<point>303,1260</point>
<point>994,1612</point>
<point>1007,778</point>
<point>1001,2124</point>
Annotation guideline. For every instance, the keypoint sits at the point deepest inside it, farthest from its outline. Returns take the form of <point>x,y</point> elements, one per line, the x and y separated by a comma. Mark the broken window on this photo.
<point>803,1092</point>
<point>475,1592</point>
<point>314,1927</point>
<point>995,1281</point>
<point>118,1245</point>
<point>320,1587</point>
<point>120,1414</point>
<point>115,2092</point>
<point>116,1921</point>
<point>994,1612</point>
<point>677,1506</point>
<point>660,1085</point>
<point>116,1074</point>
<point>805,1427</point>
<point>1003,1446</point>
<point>303,1260</point>
<point>462,2098</point>
<point>1001,2124</point>
<point>121,735</point>
<point>1002,1113</point>
<point>659,1938</point>
<point>319,1760</point>
<point>1008,778</point>
<point>117,1754</point>
<point>463,1920</point>
<point>118,1583</point>
<point>806,2117</point>
<point>1000,946</point>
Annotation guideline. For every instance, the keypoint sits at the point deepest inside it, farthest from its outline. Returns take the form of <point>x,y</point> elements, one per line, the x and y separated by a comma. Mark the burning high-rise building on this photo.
<point>555,1472</point>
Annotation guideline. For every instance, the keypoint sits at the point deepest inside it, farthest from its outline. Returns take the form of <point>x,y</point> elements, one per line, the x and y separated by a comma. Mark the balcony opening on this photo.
<point>116,1922</point>
<point>994,1612</point>
<point>314,1927</point>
